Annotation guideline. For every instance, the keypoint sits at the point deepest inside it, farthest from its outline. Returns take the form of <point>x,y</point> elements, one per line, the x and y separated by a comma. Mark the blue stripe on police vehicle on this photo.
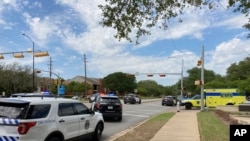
<point>8,138</point>
<point>8,121</point>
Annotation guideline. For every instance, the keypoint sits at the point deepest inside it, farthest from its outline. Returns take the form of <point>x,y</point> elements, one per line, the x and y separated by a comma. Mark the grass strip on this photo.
<point>147,130</point>
<point>211,128</point>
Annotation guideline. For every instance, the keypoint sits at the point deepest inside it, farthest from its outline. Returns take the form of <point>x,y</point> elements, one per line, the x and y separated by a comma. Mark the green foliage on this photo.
<point>195,74</point>
<point>53,89</point>
<point>239,71</point>
<point>15,79</point>
<point>170,90</point>
<point>121,82</point>
<point>126,16</point>
<point>77,88</point>
<point>150,88</point>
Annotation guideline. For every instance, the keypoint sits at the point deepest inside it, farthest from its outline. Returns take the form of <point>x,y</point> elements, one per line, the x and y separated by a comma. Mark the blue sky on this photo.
<point>68,29</point>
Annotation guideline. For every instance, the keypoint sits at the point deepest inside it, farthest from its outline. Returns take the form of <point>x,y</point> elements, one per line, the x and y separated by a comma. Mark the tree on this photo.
<point>150,88</point>
<point>170,90</point>
<point>15,78</point>
<point>121,82</point>
<point>77,88</point>
<point>195,74</point>
<point>239,71</point>
<point>127,16</point>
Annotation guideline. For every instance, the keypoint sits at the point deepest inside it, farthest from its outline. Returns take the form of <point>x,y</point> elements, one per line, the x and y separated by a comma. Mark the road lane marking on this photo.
<point>136,115</point>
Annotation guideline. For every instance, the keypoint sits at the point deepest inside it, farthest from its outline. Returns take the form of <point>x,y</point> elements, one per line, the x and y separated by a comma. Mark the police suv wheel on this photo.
<point>98,132</point>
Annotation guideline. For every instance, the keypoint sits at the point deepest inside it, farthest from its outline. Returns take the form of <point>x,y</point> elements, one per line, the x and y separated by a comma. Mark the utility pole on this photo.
<point>50,73</point>
<point>202,79</point>
<point>85,71</point>
<point>182,63</point>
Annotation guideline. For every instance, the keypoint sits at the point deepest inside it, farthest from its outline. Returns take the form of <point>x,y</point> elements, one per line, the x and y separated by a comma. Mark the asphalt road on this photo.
<point>133,114</point>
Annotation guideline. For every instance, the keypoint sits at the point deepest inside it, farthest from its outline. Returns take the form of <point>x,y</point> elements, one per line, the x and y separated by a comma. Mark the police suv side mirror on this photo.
<point>92,99</point>
<point>92,108</point>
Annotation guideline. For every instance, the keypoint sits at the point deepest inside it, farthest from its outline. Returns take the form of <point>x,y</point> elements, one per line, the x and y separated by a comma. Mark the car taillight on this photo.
<point>24,127</point>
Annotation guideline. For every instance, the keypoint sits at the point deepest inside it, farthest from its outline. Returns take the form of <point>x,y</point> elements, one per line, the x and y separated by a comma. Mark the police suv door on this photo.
<point>68,121</point>
<point>87,123</point>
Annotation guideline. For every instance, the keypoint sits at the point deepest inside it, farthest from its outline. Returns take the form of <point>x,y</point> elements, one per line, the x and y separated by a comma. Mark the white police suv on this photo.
<point>47,119</point>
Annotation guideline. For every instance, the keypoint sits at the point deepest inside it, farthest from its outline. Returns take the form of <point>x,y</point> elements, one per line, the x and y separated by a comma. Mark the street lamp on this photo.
<point>33,70</point>
<point>182,62</point>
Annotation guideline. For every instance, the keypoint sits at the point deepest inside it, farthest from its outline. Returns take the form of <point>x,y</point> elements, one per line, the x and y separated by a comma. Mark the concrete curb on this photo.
<point>114,137</point>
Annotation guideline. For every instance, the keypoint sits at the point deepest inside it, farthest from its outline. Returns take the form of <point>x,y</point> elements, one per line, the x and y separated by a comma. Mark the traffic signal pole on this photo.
<point>202,79</point>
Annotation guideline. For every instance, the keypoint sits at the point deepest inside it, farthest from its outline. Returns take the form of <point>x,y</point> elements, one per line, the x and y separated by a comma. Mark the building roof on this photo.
<point>89,80</point>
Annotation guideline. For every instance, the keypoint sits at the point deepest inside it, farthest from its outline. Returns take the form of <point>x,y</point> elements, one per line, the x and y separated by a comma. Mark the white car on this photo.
<point>47,119</point>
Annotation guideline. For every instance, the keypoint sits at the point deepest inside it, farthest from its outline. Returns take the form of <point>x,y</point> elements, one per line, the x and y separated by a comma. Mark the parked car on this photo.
<point>167,101</point>
<point>47,119</point>
<point>109,106</point>
<point>132,99</point>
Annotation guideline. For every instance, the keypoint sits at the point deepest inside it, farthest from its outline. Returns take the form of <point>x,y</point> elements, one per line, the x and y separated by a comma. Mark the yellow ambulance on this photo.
<point>215,97</point>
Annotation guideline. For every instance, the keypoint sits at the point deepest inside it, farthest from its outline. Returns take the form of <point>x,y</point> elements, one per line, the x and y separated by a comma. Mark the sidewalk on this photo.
<point>183,126</point>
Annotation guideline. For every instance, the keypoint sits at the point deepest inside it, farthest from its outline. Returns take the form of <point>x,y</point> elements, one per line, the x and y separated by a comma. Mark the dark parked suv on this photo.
<point>168,101</point>
<point>109,106</point>
<point>132,99</point>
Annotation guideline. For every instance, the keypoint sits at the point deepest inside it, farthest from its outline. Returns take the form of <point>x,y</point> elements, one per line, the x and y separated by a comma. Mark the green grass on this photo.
<point>211,127</point>
<point>147,130</point>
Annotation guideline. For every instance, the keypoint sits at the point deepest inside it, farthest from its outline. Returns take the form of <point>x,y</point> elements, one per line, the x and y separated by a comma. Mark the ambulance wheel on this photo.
<point>188,106</point>
<point>248,98</point>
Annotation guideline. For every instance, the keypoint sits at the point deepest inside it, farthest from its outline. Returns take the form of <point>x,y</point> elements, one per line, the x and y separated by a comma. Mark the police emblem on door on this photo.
<point>87,124</point>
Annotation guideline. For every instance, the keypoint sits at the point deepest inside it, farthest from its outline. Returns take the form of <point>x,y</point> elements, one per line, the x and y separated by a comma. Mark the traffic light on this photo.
<point>18,55</point>
<point>150,75</point>
<point>199,62</point>
<point>162,75</point>
<point>41,54</point>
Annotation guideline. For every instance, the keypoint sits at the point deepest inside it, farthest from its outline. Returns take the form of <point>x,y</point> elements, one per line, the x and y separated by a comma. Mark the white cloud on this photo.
<point>89,11</point>
<point>42,29</point>
<point>226,53</point>
<point>233,22</point>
